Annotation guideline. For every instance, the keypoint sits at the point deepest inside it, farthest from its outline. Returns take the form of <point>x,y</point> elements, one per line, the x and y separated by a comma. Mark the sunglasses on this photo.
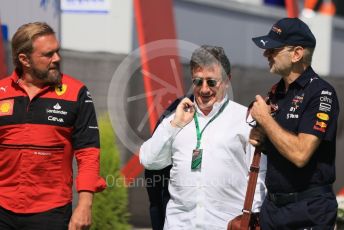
<point>253,123</point>
<point>249,120</point>
<point>199,82</point>
<point>279,50</point>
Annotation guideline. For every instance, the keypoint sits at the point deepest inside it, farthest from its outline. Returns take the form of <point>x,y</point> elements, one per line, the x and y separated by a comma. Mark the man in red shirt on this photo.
<point>46,118</point>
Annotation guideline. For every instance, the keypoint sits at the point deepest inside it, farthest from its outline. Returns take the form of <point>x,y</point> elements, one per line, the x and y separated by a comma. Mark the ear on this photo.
<point>24,60</point>
<point>297,54</point>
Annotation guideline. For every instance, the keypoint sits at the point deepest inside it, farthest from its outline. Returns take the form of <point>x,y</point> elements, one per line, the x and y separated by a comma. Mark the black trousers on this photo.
<point>54,219</point>
<point>157,188</point>
<point>316,213</point>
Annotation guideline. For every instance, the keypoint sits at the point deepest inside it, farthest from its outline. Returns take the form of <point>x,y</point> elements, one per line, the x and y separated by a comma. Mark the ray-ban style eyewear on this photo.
<point>249,120</point>
<point>199,82</point>
<point>279,50</point>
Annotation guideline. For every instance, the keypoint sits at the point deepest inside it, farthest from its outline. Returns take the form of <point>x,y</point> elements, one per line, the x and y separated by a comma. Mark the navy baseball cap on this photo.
<point>287,31</point>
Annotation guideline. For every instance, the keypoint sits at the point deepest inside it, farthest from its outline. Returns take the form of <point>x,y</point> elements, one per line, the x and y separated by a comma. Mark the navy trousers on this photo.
<point>313,213</point>
<point>157,188</point>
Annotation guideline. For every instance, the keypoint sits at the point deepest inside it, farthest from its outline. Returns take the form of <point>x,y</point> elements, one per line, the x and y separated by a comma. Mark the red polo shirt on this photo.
<point>38,139</point>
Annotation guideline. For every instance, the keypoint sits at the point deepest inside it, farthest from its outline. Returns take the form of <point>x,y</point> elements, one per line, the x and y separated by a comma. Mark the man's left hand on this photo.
<point>257,136</point>
<point>82,216</point>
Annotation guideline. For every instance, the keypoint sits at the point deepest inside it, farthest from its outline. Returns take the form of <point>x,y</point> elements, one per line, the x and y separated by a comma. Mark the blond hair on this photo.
<point>23,39</point>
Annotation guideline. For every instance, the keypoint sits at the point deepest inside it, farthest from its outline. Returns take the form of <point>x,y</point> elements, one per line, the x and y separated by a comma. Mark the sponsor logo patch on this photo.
<point>263,42</point>
<point>326,92</point>
<point>292,116</point>
<point>57,110</point>
<point>42,153</point>
<point>60,90</point>
<point>320,126</point>
<point>3,89</point>
<point>6,107</point>
<point>323,116</point>
<point>324,107</point>
<point>88,94</point>
<point>57,106</point>
<point>55,119</point>
<point>326,99</point>
<point>276,30</point>
<point>313,78</point>
<point>297,100</point>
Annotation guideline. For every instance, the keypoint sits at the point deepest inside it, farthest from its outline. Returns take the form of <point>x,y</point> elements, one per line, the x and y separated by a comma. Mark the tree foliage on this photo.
<point>110,206</point>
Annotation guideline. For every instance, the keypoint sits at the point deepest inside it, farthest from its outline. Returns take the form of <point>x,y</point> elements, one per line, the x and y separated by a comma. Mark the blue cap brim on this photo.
<point>265,42</point>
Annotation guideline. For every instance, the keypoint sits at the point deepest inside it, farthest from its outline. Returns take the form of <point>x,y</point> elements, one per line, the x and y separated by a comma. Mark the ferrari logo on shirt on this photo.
<point>61,89</point>
<point>6,107</point>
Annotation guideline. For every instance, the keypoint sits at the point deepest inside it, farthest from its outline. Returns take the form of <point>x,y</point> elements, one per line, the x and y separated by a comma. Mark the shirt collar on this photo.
<point>305,77</point>
<point>280,89</point>
<point>14,76</point>
<point>216,107</point>
<point>301,81</point>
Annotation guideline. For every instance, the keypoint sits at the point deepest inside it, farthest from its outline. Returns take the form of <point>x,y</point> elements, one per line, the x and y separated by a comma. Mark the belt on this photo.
<point>281,199</point>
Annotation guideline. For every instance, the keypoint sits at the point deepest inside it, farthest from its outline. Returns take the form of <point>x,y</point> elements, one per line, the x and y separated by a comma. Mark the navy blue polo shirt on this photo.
<point>309,106</point>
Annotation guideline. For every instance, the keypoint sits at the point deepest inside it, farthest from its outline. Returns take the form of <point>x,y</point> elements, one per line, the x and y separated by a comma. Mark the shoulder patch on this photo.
<point>6,107</point>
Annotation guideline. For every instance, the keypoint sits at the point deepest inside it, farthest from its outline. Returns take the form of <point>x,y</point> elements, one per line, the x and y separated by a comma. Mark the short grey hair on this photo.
<point>208,55</point>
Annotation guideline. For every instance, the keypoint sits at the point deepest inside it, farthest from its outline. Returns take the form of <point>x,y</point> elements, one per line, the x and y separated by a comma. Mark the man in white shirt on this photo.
<point>206,141</point>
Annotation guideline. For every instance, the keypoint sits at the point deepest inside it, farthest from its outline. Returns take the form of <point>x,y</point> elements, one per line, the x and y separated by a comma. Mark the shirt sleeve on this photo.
<point>85,139</point>
<point>155,153</point>
<point>321,115</point>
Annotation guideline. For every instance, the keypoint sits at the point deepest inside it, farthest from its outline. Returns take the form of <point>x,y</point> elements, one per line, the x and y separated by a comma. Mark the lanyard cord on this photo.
<point>198,132</point>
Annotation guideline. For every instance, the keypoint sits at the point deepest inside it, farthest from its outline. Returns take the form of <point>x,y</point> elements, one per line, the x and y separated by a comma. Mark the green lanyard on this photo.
<point>198,132</point>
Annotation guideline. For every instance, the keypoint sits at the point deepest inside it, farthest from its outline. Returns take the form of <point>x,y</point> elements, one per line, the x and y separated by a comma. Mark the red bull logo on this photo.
<point>276,30</point>
<point>320,126</point>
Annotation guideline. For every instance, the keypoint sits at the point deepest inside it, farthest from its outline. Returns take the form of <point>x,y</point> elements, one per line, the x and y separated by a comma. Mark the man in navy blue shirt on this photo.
<point>296,127</point>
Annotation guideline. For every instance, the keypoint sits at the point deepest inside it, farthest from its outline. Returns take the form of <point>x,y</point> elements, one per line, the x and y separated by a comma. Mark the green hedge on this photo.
<point>110,206</point>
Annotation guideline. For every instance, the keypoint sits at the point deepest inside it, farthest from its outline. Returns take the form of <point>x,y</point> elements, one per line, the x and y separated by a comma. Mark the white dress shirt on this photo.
<point>209,197</point>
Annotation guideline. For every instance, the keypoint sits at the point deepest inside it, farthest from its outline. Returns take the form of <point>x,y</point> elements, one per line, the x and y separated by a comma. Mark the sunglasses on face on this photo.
<point>279,50</point>
<point>199,82</point>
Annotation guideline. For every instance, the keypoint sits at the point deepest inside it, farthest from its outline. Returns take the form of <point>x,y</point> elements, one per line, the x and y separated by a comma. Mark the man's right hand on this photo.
<point>184,113</point>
